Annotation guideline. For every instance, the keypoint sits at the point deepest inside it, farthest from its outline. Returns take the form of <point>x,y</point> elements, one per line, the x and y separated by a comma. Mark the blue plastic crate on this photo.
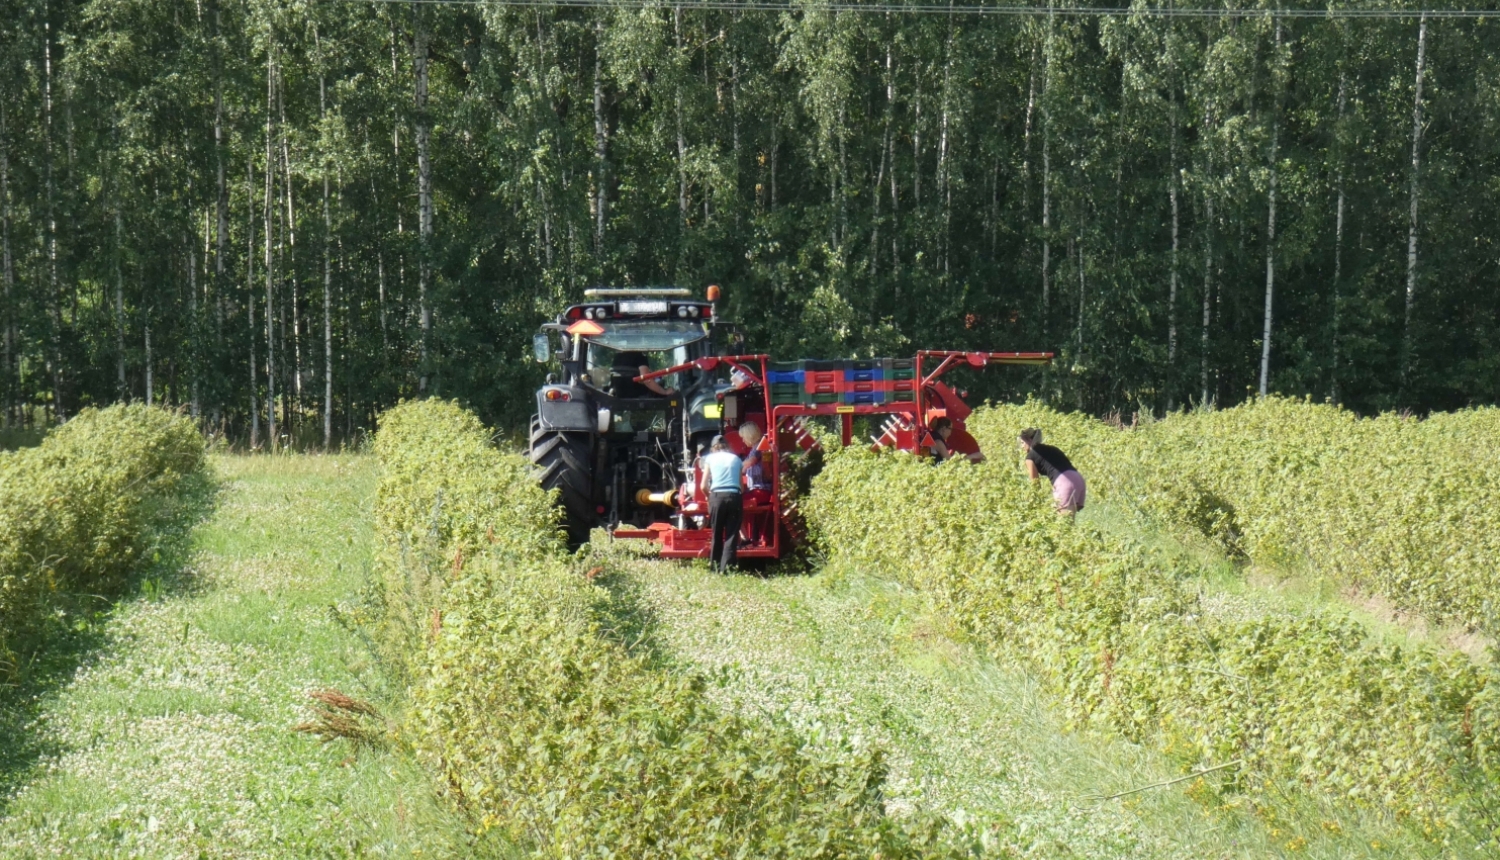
<point>781,376</point>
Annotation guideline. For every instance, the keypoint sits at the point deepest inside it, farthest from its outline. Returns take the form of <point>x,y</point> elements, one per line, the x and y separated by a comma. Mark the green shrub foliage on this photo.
<point>77,511</point>
<point>1403,507</point>
<point>539,718</point>
<point>1121,633</point>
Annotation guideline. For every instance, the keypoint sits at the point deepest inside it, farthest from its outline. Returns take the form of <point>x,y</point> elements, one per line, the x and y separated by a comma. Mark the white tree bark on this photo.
<point>1208,292</point>
<point>150,380</point>
<point>195,407</point>
<point>682,194</point>
<point>270,269</point>
<point>221,203</point>
<point>54,311</point>
<point>601,144</point>
<point>120,384</point>
<point>1411,229</point>
<point>250,300</point>
<point>1338,241</point>
<point>327,288</point>
<point>424,199</point>
<point>1174,181</point>
<point>885,157</point>
<point>7,275</point>
<point>291,406</point>
<point>1047,181</point>
<point>1265,343</point>
<point>1080,295</point>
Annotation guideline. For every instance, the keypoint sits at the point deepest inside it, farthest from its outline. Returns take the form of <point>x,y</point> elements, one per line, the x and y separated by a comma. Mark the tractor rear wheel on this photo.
<point>565,461</point>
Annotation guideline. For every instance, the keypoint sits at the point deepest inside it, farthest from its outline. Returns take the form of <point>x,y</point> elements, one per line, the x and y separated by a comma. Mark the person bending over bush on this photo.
<point>1068,488</point>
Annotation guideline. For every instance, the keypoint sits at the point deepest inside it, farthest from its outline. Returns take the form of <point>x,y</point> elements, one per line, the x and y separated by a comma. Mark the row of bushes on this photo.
<point>78,511</point>
<point>539,717</point>
<point>1120,632</point>
<point>1406,508</point>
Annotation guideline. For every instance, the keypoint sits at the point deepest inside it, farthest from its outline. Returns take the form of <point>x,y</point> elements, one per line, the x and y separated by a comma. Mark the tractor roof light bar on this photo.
<point>648,292</point>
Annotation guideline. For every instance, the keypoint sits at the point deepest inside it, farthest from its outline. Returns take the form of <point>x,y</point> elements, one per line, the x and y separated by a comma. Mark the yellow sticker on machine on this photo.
<point>713,410</point>
<point>843,409</point>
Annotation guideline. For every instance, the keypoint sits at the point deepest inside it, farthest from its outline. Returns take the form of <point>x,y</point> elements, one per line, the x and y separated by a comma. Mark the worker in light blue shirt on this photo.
<point>719,479</point>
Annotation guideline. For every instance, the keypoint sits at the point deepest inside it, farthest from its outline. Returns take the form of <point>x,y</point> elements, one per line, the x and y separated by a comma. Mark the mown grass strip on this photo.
<point>175,737</point>
<point>546,725</point>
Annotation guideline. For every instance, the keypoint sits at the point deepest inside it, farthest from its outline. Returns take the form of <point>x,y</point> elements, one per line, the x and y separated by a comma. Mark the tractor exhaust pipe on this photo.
<point>644,497</point>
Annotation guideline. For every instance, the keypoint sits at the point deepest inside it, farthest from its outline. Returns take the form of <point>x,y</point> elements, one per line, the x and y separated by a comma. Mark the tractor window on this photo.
<point>649,336</point>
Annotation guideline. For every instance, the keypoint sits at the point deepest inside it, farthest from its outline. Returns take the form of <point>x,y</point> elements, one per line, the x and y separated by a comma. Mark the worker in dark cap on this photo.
<point>1068,488</point>
<point>719,480</point>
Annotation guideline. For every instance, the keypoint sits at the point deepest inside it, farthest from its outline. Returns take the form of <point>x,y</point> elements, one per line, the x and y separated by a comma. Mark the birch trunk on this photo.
<point>1265,343</point>
<point>424,199</point>
<point>1208,292</point>
<point>885,139</point>
<point>1026,134</point>
<point>221,200</point>
<point>943,167</point>
<point>270,269</point>
<point>1338,244</point>
<point>916,141</point>
<point>1172,190</point>
<point>54,289</point>
<point>291,406</point>
<point>327,289</point>
<point>1047,183</point>
<point>150,381</point>
<point>682,200</point>
<point>890,146</point>
<point>1411,229</point>
<point>601,144</point>
<point>1208,258</point>
<point>1080,295</point>
<point>250,299</point>
<point>195,407</point>
<point>7,276</point>
<point>119,308</point>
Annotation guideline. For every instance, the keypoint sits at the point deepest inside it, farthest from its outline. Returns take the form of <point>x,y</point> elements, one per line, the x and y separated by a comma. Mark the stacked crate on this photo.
<point>846,381</point>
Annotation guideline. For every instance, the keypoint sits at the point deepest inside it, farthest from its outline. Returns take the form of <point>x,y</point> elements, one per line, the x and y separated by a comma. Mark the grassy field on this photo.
<point>164,728</point>
<point>173,735</point>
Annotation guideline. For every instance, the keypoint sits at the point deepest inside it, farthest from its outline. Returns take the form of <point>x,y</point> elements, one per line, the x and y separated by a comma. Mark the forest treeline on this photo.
<point>285,215</point>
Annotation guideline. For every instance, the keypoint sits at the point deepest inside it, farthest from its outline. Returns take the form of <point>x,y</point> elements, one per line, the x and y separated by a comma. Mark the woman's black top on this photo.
<point>1049,461</point>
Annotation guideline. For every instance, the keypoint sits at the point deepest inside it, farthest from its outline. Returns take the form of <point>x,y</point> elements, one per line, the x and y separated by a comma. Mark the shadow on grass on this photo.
<point>47,658</point>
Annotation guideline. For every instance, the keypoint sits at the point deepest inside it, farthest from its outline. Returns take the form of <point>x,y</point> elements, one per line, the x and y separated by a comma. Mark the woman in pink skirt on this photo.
<point>1068,489</point>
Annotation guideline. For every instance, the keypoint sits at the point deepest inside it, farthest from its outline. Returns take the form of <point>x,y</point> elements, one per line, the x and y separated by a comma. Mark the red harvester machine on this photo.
<point>779,397</point>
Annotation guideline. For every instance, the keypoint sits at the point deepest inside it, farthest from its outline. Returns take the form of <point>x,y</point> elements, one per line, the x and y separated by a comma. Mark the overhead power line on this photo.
<point>974,10</point>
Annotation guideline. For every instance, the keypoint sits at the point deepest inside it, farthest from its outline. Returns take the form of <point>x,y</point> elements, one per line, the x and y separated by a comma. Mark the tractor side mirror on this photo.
<point>541,347</point>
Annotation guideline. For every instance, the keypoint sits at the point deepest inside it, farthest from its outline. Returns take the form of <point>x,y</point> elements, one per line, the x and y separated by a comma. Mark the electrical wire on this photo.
<point>882,7</point>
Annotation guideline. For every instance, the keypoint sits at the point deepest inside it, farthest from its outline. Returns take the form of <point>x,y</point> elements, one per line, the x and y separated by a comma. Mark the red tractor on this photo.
<point>620,441</point>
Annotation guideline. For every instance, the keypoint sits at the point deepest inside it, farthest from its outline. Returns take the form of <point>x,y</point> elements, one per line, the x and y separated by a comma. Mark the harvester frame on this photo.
<point>906,431</point>
<point>622,451</point>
